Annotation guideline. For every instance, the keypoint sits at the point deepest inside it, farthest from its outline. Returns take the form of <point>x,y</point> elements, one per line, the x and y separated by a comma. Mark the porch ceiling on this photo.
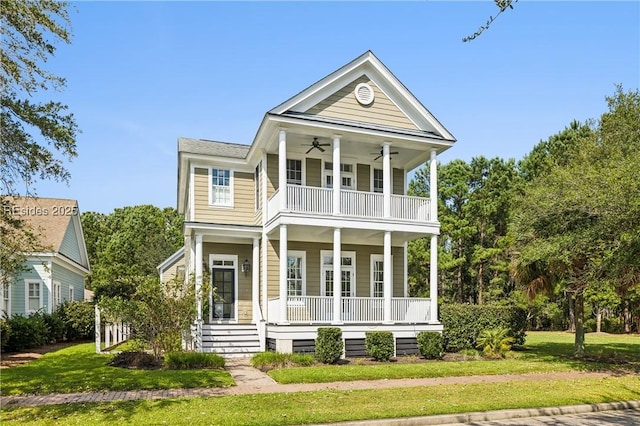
<point>318,234</point>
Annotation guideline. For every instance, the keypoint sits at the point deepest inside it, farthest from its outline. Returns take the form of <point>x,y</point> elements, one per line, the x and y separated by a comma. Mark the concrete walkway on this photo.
<point>250,380</point>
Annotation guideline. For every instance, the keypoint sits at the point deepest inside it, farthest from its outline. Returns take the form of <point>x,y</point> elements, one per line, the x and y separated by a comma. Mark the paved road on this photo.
<point>618,418</point>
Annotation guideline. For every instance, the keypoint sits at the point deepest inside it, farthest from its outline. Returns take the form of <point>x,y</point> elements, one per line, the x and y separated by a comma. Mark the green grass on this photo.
<point>79,369</point>
<point>544,352</point>
<point>332,406</point>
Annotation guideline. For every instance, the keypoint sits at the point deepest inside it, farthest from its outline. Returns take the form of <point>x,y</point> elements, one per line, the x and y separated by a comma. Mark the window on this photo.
<point>347,273</point>
<point>221,191</point>
<point>346,175</point>
<point>71,295</point>
<point>6,299</point>
<point>294,172</point>
<point>34,295</point>
<point>57,294</point>
<point>378,180</point>
<point>296,273</point>
<point>258,182</point>
<point>377,275</point>
<point>180,272</point>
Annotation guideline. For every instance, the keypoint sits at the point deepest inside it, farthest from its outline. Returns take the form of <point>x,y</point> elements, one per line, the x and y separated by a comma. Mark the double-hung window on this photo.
<point>71,293</point>
<point>57,294</point>
<point>294,172</point>
<point>34,295</point>
<point>257,179</point>
<point>6,299</point>
<point>377,275</point>
<point>346,175</point>
<point>378,180</point>
<point>221,187</point>
<point>296,273</point>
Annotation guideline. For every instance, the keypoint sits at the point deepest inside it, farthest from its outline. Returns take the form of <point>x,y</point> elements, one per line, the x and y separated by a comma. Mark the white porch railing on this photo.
<point>319,309</point>
<point>362,204</point>
<point>316,200</point>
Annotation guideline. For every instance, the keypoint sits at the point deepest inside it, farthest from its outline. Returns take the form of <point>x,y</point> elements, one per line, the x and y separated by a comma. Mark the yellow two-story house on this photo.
<point>308,226</point>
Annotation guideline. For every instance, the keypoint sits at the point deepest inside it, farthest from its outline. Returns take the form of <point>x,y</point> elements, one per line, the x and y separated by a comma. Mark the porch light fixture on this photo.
<point>246,266</point>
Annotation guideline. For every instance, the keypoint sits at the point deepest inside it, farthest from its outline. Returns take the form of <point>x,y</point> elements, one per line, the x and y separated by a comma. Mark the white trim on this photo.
<point>343,253</point>
<point>27,311</point>
<point>71,293</point>
<point>303,267</point>
<point>230,204</point>
<point>5,289</point>
<point>56,299</point>
<point>257,187</point>
<point>372,259</point>
<point>303,167</point>
<point>353,174</point>
<point>171,259</point>
<point>405,285</point>
<point>223,257</point>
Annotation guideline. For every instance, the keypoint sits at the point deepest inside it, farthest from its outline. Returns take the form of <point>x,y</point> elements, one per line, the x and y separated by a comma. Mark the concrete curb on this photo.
<point>487,416</point>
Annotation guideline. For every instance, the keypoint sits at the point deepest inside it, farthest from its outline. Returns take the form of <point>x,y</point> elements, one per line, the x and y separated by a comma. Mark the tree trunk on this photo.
<point>627,317</point>
<point>578,348</point>
<point>598,320</point>
<point>572,314</point>
<point>480,282</point>
<point>460,285</point>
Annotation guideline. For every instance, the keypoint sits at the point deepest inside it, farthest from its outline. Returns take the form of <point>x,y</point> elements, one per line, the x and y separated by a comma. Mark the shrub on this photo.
<point>430,344</point>
<point>590,325</point>
<point>379,345</point>
<point>613,325</point>
<point>495,342</point>
<point>55,328</point>
<point>5,332</point>
<point>26,332</point>
<point>463,323</point>
<point>329,345</point>
<point>192,360</point>
<point>79,320</point>
<point>271,360</point>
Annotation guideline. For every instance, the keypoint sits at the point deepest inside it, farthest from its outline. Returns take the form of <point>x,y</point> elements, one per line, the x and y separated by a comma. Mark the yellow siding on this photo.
<point>243,210</point>
<point>313,267</point>
<point>398,182</point>
<point>344,105</point>
<point>243,251</point>
<point>314,174</point>
<point>170,272</point>
<point>272,174</point>
<point>364,177</point>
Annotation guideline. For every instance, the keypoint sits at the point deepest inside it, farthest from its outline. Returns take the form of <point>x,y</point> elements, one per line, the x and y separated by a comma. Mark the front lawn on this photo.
<point>543,352</point>
<point>332,406</point>
<point>79,369</point>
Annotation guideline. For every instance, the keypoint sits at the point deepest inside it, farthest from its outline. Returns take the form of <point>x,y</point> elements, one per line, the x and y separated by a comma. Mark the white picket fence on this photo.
<point>109,334</point>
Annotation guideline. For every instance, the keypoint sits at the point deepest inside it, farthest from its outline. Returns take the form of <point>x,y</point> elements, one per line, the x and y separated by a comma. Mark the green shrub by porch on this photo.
<point>430,344</point>
<point>379,344</point>
<point>329,345</point>
<point>463,323</point>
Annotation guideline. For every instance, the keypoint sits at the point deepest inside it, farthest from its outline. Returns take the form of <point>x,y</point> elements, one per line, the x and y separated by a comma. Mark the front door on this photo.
<point>225,302</point>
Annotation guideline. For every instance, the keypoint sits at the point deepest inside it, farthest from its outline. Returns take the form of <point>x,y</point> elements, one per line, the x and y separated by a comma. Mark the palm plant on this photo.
<point>494,342</point>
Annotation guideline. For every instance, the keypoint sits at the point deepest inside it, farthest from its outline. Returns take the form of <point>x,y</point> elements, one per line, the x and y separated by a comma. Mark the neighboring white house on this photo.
<point>308,226</point>
<point>56,274</point>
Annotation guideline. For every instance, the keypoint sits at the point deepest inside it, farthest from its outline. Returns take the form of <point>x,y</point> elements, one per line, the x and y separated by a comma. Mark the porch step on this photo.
<point>230,340</point>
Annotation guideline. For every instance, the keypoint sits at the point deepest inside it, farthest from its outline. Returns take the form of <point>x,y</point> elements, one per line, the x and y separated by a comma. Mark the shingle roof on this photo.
<point>50,217</point>
<point>218,149</point>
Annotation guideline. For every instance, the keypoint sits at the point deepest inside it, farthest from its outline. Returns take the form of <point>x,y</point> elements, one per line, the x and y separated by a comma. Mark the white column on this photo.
<point>283,275</point>
<point>265,276</point>
<point>405,250</point>
<point>337,180</point>
<point>198,267</point>
<point>433,187</point>
<point>255,280</point>
<point>282,168</point>
<point>433,278</point>
<point>387,277</point>
<point>337,275</point>
<point>386,179</point>
<point>263,189</point>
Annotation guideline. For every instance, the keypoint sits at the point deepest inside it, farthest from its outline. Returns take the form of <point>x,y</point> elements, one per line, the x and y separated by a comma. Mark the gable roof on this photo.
<point>214,148</point>
<point>50,218</point>
<point>367,64</point>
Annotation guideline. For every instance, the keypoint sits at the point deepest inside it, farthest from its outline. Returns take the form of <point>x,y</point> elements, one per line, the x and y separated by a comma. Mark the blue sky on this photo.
<point>141,74</point>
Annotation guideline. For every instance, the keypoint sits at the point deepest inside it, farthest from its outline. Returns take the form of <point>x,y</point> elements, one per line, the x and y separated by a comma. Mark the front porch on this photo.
<point>353,310</point>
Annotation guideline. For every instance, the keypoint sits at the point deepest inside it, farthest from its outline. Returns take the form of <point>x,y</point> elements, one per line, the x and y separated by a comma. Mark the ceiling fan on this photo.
<point>317,145</point>
<point>382,153</point>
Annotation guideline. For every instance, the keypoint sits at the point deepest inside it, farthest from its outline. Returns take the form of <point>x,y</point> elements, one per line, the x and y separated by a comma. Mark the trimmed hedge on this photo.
<point>379,344</point>
<point>27,332</point>
<point>329,345</point>
<point>463,323</point>
<point>430,344</point>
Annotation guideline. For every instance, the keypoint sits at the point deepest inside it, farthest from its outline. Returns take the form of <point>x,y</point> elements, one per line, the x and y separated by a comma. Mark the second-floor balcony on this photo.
<point>320,201</point>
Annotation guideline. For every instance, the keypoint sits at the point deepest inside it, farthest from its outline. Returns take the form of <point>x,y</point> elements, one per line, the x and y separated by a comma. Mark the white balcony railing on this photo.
<point>354,310</point>
<point>315,200</point>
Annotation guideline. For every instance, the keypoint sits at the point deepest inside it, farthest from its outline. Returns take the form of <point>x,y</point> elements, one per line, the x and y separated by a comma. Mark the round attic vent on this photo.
<point>364,93</point>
